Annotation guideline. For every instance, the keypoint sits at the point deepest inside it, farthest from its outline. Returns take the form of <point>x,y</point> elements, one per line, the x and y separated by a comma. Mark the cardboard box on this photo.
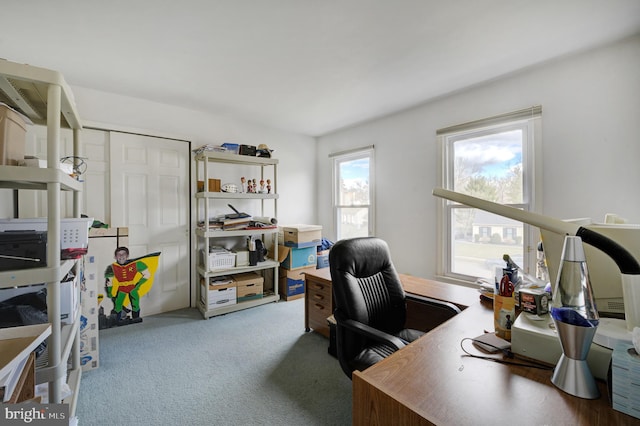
<point>13,136</point>
<point>301,235</point>
<point>214,185</point>
<point>109,232</point>
<point>249,286</point>
<point>291,283</point>
<point>217,297</point>
<point>242,257</point>
<point>323,259</point>
<point>296,258</point>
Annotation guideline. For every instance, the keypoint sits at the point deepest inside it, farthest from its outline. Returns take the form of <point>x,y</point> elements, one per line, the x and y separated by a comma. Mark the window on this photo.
<point>353,193</point>
<point>493,159</point>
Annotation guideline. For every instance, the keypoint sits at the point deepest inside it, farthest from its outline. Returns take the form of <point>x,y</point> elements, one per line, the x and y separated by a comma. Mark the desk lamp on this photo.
<point>628,265</point>
<point>576,319</point>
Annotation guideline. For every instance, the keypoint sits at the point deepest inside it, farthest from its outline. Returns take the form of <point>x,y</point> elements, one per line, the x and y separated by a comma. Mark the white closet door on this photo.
<point>150,195</point>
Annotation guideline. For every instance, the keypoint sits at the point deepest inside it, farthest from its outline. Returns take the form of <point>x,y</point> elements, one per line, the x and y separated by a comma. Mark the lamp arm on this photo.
<point>625,261</point>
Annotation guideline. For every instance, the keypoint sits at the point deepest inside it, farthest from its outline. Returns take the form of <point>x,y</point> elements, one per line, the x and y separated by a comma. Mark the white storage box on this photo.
<point>219,259</point>
<point>218,297</point>
<point>74,232</point>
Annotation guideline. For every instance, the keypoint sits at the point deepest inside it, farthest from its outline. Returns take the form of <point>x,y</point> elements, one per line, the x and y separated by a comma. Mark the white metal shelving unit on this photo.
<point>44,96</point>
<point>204,162</point>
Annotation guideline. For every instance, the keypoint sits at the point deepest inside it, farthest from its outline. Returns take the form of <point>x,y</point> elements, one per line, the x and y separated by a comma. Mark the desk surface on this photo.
<point>430,382</point>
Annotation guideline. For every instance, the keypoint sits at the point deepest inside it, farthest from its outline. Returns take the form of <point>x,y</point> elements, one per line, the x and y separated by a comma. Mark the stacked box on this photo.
<point>291,282</point>
<point>625,377</point>
<point>295,258</point>
<point>300,236</point>
<point>250,286</point>
<point>218,296</point>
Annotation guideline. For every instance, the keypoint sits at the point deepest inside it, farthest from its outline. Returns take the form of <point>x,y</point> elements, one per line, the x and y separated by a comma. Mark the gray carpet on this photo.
<point>252,367</point>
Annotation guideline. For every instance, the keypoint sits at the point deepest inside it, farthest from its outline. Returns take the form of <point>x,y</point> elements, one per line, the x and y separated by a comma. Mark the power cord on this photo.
<point>78,163</point>
<point>505,352</point>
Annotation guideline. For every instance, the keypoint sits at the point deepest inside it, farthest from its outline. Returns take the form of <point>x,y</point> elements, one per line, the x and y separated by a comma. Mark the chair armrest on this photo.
<point>372,333</point>
<point>447,306</point>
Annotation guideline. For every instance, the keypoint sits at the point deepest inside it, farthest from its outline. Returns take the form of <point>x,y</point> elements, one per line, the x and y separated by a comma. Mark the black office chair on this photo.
<point>370,304</point>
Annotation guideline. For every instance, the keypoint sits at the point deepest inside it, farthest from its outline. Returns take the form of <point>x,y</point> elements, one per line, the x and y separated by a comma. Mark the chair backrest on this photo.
<point>365,283</point>
<point>366,288</point>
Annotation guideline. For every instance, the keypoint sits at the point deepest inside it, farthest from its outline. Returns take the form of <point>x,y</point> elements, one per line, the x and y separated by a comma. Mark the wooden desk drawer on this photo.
<point>319,287</point>
<point>318,314</point>
<point>318,303</point>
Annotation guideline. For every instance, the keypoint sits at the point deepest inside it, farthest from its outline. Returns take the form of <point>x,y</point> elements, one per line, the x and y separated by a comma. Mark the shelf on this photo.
<point>25,88</point>
<point>208,313</point>
<point>17,177</point>
<point>222,157</point>
<point>205,201</point>
<point>16,343</point>
<point>46,99</point>
<point>22,277</point>
<point>236,195</point>
<point>238,233</point>
<point>268,264</point>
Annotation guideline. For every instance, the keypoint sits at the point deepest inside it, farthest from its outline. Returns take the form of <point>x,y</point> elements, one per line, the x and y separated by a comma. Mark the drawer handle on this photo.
<point>318,296</point>
<point>319,286</point>
<point>320,307</point>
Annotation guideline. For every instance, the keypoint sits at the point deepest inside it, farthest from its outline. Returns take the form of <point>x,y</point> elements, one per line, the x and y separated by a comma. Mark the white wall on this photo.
<point>296,169</point>
<point>591,147</point>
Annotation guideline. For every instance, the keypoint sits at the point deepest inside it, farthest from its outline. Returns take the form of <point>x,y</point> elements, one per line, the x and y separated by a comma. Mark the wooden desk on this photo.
<point>430,382</point>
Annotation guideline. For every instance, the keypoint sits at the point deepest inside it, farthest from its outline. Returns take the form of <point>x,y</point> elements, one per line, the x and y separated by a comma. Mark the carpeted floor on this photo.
<point>252,367</point>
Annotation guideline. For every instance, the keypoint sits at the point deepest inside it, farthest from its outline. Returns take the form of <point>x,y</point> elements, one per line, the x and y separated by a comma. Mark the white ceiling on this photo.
<point>307,66</point>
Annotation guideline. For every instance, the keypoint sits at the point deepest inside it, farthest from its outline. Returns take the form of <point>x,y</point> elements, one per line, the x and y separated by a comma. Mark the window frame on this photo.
<point>530,121</point>
<point>345,156</point>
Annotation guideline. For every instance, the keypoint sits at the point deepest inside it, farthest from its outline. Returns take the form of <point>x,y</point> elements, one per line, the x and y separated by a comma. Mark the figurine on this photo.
<point>262,186</point>
<point>243,181</point>
<point>268,186</point>
<point>254,186</point>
